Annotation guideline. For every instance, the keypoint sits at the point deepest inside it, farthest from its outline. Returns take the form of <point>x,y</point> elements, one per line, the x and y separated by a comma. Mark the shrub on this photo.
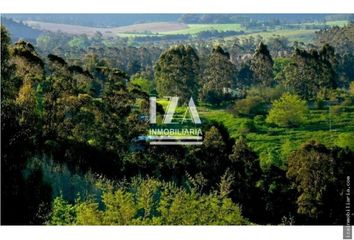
<point>288,111</point>
<point>268,94</point>
<point>250,106</point>
<point>346,140</point>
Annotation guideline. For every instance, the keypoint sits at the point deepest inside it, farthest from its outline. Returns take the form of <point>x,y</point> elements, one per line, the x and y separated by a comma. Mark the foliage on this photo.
<point>346,140</point>
<point>262,66</point>
<point>79,42</point>
<point>269,158</point>
<point>246,127</point>
<point>8,83</point>
<point>144,84</point>
<point>309,72</point>
<point>218,77</point>
<point>67,123</point>
<point>318,174</point>
<point>268,94</point>
<point>62,213</point>
<point>150,202</point>
<point>341,38</point>
<point>278,68</point>
<point>245,167</point>
<point>177,73</point>
<point>288,111</point>
<point>209,158</point>
<point>250,106</point>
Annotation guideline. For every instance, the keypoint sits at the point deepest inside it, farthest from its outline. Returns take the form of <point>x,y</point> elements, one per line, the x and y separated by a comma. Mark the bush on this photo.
<point>288,111</point>
<point>250,106</point>
<point>268,94</point>
<point>346,140</point>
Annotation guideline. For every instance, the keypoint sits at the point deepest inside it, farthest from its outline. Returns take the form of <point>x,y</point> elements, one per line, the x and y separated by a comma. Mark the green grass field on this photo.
<point>305,35</point>
<point>265,138</point>
<point>196,28</point>
<point>319,126</point>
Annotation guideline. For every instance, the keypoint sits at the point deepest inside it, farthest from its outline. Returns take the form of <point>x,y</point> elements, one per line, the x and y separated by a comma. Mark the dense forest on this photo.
<point>278,129</point>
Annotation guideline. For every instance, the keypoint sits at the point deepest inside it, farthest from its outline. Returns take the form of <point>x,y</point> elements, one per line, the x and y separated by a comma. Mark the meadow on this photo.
<point>321,125</point>
<point>329,126</point>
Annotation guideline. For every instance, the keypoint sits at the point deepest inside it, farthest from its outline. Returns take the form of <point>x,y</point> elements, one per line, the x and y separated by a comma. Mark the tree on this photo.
<point>262,66</point>
<point>20,131</point>
<point>210,158</point>
<point>308,73</point>
<point>288,111</point>
<point>345,70</point>
<point>312,172</point>
<point>218,77</point>
<point>245,166</point>
<point>278,68</point>
<point>9,85</point>
<point>30,75</point>
<point>177,73</point>
<point>341,38</point>
<point>63,213</point>
<point>279,198</point>
<point>116,108</point>
<point>28,63</point>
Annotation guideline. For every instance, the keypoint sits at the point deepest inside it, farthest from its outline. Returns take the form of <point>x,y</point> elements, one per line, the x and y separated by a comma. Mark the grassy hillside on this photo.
<point>321,125</point>
<point>264,138</point>
<point>196,28</point>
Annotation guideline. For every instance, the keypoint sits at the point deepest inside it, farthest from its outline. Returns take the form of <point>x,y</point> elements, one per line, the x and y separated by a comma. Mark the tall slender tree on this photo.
<point>177,73</point>
<point>262,66</point>
<point>218,77</point>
